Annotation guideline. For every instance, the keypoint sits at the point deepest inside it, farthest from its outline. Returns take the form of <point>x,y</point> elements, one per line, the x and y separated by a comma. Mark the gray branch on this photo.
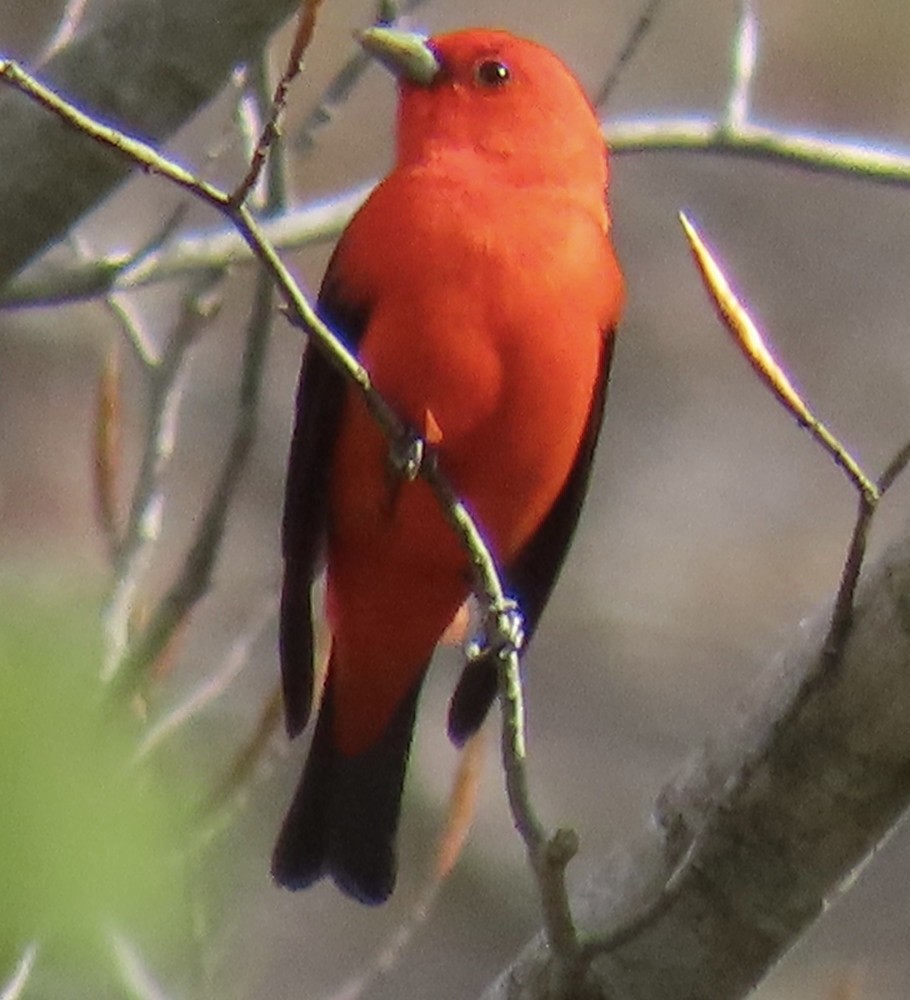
<point>764,826</point>
<point>144,65</point>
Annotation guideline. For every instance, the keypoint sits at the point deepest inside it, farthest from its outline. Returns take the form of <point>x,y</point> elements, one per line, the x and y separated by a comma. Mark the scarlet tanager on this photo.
<point>480,288</point>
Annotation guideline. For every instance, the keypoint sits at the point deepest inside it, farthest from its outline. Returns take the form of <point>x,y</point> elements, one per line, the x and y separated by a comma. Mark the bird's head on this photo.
<point>506,103</point>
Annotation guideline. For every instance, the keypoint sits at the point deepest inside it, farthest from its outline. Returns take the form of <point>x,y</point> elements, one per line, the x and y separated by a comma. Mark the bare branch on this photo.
<point>320,221</point>
<point>894,469</point>
<point>745,55</point>
<point>132,327</point>
<point>134,973</point>
<point>637,35</point>
<point>107,449</point>
<point>168,58</point>
<point>214,686</point>
<point>753,345</point>
<point>167,383</point>
<point>228,797</point>
<point>14,988</point>
<point>194,578</point>
<point>386,959</point>
<point>306,25</point>
<point>346,78</point>
<point>762,827</point>
<point>323,220</point>
<point>787,147</point>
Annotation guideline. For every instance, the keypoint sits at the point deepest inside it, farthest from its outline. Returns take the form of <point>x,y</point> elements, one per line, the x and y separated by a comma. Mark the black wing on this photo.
<point>320,397</point>
<point>532,575</point>
<point>344,815</point>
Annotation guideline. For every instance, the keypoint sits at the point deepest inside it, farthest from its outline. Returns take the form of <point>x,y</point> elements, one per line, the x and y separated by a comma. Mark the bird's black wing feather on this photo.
<point>531,576</point>
<point>320,397</point>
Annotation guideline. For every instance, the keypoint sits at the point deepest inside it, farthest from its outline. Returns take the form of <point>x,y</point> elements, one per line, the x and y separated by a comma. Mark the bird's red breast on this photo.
<point>485,263</point>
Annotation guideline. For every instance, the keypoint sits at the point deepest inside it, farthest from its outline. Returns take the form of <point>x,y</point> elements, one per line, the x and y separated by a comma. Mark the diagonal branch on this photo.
<point>784,146</point>
<point>323,220</point>
<point>148,64</point>
<point>14,988</point>
<point>758,831</point>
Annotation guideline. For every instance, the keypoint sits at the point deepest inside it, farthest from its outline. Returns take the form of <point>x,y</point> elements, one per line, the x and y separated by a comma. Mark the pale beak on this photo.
<point>405,54</point>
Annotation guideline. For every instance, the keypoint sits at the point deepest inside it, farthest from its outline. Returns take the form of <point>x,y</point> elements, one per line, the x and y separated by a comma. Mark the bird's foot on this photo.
<point>503,633</point>
<point>408,454</point>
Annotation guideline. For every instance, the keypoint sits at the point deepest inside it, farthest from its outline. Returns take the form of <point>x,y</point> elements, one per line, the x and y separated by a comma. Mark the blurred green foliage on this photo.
<point>89,840</point>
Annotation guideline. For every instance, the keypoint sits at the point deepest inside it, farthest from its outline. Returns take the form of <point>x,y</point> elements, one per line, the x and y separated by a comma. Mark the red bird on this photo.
<point>480,288</point>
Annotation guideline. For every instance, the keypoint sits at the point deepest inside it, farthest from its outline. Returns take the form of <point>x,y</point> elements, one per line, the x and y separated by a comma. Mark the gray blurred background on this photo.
<point>713,528</point>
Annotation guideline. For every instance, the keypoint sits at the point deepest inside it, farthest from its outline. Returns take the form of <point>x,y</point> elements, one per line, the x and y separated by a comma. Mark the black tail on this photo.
<point>344,817</point>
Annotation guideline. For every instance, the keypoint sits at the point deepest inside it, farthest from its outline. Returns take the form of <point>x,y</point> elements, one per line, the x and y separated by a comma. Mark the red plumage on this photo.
<point>480,287</point>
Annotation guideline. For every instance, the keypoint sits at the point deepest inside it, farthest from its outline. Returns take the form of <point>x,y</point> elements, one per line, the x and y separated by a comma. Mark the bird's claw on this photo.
<point>407,455</point>
<point>502,635</point>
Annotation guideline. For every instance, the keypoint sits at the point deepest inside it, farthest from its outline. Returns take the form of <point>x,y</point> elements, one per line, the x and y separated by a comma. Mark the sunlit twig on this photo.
<point>65,31</point>
<point>134,973</point>
<point>749,339</point>
<point>306,24</point>
<point>14,988</point>
<point>745,57</point>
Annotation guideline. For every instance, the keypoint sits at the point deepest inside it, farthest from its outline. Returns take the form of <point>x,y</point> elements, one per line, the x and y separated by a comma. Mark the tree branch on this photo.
<point>785,146</point>
<point>749,842</point>
<point>323,220</point>
<point>14,988</point>
<point>148,65</point>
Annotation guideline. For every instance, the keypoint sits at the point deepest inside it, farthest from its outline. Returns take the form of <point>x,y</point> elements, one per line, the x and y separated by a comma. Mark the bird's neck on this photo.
<point>500,173</point>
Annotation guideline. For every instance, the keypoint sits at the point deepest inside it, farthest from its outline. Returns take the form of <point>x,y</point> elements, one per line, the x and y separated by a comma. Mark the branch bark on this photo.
<point>144,65</point>
<point>762,827</point>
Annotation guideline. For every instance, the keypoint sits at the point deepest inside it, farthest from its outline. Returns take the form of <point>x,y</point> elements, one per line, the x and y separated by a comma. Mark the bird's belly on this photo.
<point>507,418</point>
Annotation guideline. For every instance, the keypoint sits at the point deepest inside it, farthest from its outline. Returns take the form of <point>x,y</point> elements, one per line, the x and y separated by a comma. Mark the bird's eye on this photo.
<point>492,73</point>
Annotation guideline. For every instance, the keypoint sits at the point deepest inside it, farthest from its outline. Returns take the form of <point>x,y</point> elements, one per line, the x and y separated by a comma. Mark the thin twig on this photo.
<point>214,685</point>
<point>65,31</point>
<point>323,220</point>
<point>842,614</point>
<point>14,988</point>
<point>107,449</point>
<point>320,221</point>
<point>752,343</point>
<point>746,334</point>
<point>275,201</point>
<point>787,147</point>
<point>462,806</point>
<point>167,381</point>
<point>342,84</point>
<point>750,340</point>
<point>894,468</point>
<point>218,809</point>
<point>133,970</point>
<point>133,331</point>
<point>386,958</point>
<point>195,575</point>
<point>637,35</point>
<point>744,60</point>
<point>306,25</point>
